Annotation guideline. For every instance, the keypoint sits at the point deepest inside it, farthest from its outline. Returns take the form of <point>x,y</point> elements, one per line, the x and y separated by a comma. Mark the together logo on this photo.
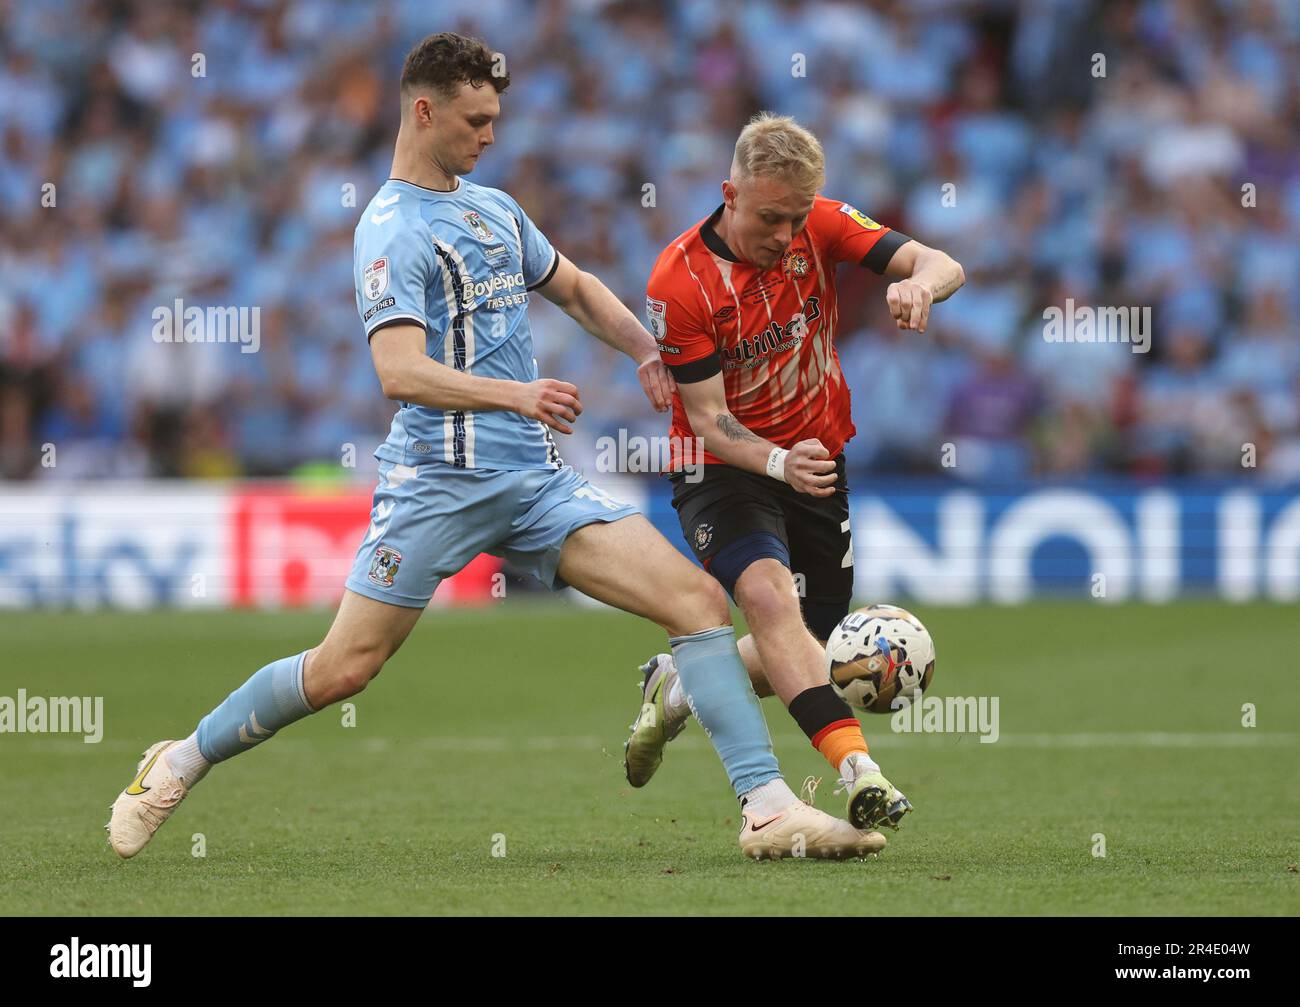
<point>75,960</point>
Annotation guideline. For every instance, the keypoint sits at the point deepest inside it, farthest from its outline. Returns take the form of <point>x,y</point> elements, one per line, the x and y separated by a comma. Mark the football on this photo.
<point>878,654</point>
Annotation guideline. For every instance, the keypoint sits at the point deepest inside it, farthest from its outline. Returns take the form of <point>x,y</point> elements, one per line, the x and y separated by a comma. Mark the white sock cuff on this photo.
<point>770,798</point>
<point>186,761</point>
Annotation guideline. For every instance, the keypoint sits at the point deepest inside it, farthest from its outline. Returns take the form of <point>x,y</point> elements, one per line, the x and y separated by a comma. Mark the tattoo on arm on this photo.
<point>945,289</point>
<point>733,428</point>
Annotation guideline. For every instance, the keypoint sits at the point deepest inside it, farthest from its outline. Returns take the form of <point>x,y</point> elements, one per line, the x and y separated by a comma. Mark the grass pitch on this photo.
<point>501,731</point>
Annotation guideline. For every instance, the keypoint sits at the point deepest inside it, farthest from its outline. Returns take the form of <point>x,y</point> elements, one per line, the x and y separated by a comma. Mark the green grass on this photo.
<point>511,721</point>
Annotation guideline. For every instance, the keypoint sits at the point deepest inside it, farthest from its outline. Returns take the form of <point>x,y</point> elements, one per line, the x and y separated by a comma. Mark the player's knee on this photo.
<point>700,605</point>
<point>335,674</point>
<point>767,597</point>
<point>358,672</point>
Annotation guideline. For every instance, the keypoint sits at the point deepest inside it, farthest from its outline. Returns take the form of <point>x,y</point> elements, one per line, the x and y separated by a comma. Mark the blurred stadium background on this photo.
<point>219,152</point>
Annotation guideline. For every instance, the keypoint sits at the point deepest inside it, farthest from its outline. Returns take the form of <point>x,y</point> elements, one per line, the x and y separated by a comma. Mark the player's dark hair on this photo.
<point>446,61</point>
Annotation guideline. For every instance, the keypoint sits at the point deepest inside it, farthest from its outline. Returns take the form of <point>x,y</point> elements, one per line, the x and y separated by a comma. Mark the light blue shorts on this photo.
<point>429,521</point>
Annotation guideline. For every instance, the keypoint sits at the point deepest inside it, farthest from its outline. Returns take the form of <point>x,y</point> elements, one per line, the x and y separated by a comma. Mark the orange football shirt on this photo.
<point>770,332</point>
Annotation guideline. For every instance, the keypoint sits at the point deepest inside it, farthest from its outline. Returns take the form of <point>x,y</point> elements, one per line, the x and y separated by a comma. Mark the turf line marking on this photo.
<point>1247,738</point>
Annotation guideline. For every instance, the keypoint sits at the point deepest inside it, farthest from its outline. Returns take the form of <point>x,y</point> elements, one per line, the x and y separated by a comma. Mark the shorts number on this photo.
<point>847,561</point>
<point>597,496</point>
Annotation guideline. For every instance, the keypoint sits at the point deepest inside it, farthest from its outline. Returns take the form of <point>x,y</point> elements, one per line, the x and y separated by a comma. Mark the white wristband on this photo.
<point>776,463</point>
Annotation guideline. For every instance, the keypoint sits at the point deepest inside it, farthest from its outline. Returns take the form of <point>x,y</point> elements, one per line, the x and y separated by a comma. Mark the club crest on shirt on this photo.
<point>858,217</point>
<point>475,222</point>
<point>703,536</point>
<point>374,278</point>
<point>383,566</point>
<point>795,263</point>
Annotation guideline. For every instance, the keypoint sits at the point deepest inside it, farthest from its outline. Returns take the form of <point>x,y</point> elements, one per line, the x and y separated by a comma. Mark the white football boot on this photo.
<point>803,831</point>
<point>146,803</point>
<point>654,728</point>
<point>874,801</point>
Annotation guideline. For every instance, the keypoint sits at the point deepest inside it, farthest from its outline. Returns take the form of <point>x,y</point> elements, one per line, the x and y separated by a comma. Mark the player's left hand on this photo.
<point>657,383</point>
<point>909,303</point>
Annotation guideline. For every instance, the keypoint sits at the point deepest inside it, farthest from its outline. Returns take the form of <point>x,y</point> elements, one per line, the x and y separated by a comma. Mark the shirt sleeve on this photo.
<point>849,235</point>
<point>392,269</point>
<point>687,344</point>
<point>540,258</point>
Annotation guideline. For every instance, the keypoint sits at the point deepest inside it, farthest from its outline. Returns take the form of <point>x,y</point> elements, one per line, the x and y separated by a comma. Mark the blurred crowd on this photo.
<point>1141,153</point>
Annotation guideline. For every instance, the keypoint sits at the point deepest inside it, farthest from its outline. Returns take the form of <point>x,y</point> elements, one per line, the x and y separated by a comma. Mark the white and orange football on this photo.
<point>878,654</point>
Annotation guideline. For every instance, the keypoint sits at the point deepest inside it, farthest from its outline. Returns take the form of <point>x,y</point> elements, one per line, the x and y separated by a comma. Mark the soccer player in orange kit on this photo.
<point>743,306</point>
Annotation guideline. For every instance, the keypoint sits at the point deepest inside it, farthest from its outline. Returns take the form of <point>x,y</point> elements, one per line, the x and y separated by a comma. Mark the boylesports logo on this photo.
<point>752,350</point>
<point>472,291</point>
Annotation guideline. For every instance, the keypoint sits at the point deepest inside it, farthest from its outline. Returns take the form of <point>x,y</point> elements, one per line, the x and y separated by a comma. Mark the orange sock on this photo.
<point>839,740</point>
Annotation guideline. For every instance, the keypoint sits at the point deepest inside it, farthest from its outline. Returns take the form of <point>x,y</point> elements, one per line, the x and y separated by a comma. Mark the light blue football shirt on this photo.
<point>460,264</point>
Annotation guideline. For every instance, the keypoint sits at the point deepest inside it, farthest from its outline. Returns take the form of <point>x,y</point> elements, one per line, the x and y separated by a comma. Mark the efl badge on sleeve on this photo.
<point>383,567</point>
<point>374,278</point>
<point>859,217</point>
<point>656,313</point>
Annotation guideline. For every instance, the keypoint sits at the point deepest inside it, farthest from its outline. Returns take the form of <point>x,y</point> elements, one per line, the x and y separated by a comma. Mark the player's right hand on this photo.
<point>555,403</point>
<point>808,469</point>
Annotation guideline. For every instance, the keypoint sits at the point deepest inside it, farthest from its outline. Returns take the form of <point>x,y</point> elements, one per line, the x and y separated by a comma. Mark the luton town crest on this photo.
<point>795,264</point>
<point>475,222</point>
<point>383,567</point>
<point>703,536</point>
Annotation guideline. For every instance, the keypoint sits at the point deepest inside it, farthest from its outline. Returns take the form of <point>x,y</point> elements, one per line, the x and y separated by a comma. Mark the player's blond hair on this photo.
<point>775,146</point>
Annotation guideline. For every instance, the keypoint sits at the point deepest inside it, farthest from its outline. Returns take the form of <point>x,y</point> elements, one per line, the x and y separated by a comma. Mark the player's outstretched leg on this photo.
<point>365,633</point>
<point>628,564</point>
<point>795,665</point>
<point>873,801</point>
<point>782,641</point>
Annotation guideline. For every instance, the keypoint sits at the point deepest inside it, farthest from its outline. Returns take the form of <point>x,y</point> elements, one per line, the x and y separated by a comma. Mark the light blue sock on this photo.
<point>273,698</point>
<point>718,690</point>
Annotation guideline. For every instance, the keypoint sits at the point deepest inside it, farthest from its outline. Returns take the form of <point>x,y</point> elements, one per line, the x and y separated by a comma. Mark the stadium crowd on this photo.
<point>1138,154</point>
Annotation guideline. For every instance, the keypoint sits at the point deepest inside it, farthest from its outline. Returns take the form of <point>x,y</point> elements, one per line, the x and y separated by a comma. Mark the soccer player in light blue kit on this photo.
<point>443,270</point>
